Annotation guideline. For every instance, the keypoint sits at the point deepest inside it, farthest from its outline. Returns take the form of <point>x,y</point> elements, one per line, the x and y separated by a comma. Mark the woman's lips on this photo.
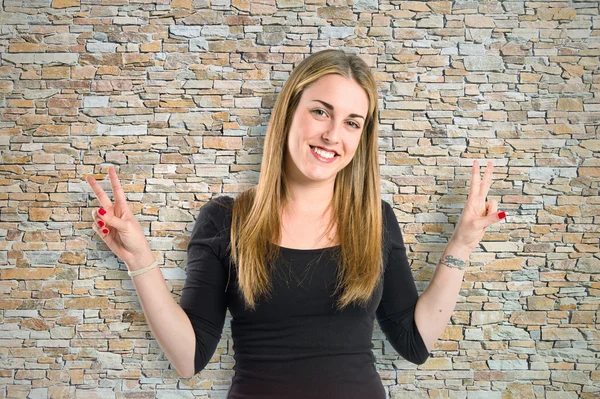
<point>322,159</point>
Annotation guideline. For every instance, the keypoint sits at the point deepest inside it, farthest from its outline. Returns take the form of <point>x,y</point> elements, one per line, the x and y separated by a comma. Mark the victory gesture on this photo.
<point>116,224</point>
<point>478,213</point>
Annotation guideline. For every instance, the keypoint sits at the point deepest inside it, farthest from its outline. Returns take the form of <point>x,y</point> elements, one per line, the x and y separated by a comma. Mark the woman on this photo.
<point>306,259</point>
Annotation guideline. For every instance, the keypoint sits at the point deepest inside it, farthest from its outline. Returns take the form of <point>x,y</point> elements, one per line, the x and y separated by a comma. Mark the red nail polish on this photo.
<point>501,215</point>
<point>102,211</point>
<point>105,231</point>
<point>101,223</point>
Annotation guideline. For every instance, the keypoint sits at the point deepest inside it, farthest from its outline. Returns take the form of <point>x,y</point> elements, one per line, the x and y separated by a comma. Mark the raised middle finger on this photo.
<point>486,183</point>
<point>103,198</point>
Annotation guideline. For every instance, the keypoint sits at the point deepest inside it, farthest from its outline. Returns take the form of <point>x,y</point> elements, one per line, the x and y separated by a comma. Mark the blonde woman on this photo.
<point>307,259</point>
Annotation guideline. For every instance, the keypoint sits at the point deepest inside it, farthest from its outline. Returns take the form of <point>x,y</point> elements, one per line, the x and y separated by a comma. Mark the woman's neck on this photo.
<point>309,200</point>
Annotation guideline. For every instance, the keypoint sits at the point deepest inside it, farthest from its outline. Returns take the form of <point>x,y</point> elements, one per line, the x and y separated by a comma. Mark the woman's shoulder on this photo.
<point>218,208</point>
<point>386,209</point>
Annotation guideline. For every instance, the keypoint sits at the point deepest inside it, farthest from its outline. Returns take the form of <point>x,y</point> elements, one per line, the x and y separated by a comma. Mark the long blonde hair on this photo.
<point>356,203</point>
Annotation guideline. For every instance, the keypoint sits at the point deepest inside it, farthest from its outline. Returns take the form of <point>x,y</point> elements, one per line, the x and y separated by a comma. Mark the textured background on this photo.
<point>177,96</point>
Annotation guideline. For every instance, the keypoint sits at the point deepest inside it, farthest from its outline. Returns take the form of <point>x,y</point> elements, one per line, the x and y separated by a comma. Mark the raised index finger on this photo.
<point>118,192</point>
<point>475,180</point>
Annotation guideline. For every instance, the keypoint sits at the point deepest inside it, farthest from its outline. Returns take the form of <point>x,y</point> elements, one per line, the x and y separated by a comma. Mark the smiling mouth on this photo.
<point>323,153</point>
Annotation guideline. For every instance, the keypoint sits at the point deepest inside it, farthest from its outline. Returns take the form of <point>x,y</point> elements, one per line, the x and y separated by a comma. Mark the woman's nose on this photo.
<point>332,134</point>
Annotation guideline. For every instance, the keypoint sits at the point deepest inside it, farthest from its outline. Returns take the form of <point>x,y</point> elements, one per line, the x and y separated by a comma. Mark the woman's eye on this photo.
<point>320,112</point>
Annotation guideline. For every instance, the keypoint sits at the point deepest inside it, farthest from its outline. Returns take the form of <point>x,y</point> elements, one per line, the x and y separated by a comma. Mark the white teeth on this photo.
<point>323,153</point>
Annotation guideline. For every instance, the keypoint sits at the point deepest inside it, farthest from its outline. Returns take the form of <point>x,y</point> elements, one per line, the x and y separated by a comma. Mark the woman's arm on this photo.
<point>168,322</point>
<point>188,332</point>
<point>436,304</point>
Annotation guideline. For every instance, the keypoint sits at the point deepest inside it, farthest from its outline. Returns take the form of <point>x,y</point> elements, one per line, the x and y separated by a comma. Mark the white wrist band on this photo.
<point>144,270</point>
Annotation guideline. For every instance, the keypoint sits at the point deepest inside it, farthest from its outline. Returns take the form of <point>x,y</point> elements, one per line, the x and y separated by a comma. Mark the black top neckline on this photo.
<point>307,250</point>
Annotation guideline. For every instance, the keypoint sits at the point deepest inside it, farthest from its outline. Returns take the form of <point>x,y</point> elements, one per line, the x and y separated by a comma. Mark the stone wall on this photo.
<point>177,96</point>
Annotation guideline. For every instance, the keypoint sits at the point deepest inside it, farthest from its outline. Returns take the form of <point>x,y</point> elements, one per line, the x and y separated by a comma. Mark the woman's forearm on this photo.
<point>436,304</point>
<point>169,324</point>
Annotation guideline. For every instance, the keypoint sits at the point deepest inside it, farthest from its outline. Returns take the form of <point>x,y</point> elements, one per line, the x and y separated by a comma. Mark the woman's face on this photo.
<point>326,129</point>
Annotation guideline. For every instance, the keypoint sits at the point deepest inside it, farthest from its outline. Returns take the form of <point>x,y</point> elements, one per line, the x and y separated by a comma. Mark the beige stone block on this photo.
<point>176,103</point>
<point>583,317</point>
<point>223,143</point>
<point>10,304</point>
<point>565,210</point>
<point>65,3</point>
<point>412,125</point>
<point>494,115</point>
<point>434,61</point>
<point>26,48</point>
<point>40,214</point>
<point>525,77</point>
<point>565,13</point>
<point>20,103</point>
<point>561,334</point>
<point>515,49</point>
<point>589,172</point>
<point>587,248</point>
<point>155,46</point>
<point>85,72</point>
<point>29,120</point>
<point>489,317</point>
<point>34,324</point>
<point>440,7</point>
<point>436,363</point>
<point>174,158</point>
<point>540,303</point>
<point>406,58</point>
<point>120,345</point>
<point>528,318</point>
<point>138,59</point>
<point>30,273</point>
<point>72,258</point>
<point>505,264</point>
<point>56,72</point>
<point>265,7</point>
<point>242,5</point>
<point>516,390</point>
<point>399,158</point>
<point>570,104</point>
<point>76,376</point>
<point>452,333</point>
<point>87,303</point>
<point>63,103</point>
<point>409,34</point>
<point>573,70</point>
<point>418,6</point>
<point>593,145</point>
<point>526,144</point>
<point>479,21</point>
<point>222,46</point>
<point>182,4</point>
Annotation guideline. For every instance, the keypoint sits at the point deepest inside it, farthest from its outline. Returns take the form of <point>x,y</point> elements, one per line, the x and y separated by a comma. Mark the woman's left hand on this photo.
<point>478,213</point>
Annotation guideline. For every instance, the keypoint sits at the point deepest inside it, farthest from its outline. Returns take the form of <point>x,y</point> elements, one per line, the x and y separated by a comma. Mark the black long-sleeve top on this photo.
<point>297,344</point>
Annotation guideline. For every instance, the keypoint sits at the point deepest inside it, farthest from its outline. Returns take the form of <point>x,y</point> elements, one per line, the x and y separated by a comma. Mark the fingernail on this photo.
<point>101,223</point>
<point>105,231</point>
<point>102,211</point>
<point>501,215</point>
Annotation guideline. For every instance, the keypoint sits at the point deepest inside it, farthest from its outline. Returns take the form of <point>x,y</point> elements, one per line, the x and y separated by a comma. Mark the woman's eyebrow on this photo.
<point>330,107</point>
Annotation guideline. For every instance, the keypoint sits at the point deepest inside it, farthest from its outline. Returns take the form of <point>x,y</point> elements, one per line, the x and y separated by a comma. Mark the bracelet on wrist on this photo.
<point>144,270</point>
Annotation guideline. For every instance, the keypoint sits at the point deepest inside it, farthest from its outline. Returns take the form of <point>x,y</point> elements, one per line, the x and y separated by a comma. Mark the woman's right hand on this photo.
<point>116,224</point>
